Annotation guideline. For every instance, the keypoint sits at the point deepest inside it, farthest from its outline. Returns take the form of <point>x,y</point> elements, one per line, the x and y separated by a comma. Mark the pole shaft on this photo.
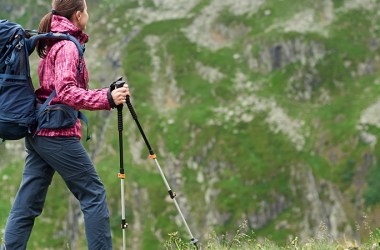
<point>121,173</point>
<point>153,156</point>
<point>123,225</point>
<point>173,198</point>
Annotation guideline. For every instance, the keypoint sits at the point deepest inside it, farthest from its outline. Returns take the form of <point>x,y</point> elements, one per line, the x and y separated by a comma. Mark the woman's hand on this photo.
<point>119,95</point>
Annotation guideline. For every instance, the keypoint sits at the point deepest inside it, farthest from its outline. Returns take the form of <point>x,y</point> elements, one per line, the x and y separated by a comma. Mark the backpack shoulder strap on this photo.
<point>32,42</point>
<point>60,36</point>
<point>81,50</point>
<point>54,36</point>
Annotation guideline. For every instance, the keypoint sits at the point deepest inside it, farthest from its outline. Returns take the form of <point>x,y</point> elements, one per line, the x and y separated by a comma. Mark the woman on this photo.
<point>60,150</point>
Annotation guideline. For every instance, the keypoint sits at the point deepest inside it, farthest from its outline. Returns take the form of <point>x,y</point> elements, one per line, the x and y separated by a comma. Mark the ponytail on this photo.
<point>44,27</point>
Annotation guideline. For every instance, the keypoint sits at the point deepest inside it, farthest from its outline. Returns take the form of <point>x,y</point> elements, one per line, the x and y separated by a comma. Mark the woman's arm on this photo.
<point>68,92</point>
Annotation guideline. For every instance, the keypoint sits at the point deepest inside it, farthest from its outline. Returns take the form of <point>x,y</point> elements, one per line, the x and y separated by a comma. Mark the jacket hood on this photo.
<point>63,25</point>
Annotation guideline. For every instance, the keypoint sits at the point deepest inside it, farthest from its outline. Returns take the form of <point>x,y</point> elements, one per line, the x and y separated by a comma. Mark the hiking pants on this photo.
<point>66,155</point>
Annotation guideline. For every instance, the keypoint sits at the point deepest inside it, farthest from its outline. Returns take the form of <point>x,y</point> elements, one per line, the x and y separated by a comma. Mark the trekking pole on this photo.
<point>124,225</point>
<point>153,157</point>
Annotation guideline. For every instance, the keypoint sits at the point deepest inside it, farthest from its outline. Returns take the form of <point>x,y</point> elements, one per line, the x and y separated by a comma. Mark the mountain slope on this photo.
<point>262,111</point>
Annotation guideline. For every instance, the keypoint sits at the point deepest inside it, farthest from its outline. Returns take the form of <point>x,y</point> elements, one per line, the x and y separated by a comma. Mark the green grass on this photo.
<point>243,238</point>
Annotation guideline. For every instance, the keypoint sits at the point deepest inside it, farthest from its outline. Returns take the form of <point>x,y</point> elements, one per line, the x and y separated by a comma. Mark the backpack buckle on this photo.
<point>19,45</point>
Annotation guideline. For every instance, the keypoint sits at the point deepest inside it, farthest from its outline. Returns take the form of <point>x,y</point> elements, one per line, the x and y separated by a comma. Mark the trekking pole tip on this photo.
<point>194,242</point>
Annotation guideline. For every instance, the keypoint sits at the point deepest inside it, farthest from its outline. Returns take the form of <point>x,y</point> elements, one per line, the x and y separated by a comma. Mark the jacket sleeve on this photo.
<point>65,82</point>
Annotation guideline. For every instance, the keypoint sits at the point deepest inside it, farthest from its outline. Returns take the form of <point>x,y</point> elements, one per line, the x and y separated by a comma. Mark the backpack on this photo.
<point>19,114</point>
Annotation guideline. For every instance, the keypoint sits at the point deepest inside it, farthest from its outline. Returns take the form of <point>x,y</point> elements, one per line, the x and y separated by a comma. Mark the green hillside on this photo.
<point>258,111</point>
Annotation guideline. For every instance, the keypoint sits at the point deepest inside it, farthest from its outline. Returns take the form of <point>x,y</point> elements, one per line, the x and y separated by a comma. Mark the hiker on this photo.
<point>60,150</point>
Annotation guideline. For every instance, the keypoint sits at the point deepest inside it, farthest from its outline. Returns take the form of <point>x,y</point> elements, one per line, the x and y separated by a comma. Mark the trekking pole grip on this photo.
<point>118,84</point>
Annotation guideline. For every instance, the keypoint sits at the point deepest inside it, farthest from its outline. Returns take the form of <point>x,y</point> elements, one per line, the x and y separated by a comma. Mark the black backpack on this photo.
<point>19,115</point>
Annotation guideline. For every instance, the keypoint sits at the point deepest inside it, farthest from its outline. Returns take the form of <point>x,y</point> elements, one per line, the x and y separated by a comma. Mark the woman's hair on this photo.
<point>65,8</point>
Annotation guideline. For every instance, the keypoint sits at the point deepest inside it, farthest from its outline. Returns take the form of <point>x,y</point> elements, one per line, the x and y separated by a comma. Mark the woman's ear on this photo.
<point>78,15</point>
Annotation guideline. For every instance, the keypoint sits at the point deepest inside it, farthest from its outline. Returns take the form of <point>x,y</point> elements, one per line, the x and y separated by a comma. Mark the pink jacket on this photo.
<point>59,71</point>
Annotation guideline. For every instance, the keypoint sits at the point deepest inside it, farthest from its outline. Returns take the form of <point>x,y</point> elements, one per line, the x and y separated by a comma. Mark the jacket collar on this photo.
<point>63,25</point>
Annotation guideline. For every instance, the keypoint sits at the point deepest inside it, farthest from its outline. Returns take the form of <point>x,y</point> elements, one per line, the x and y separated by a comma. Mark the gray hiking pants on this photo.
<point>66,155</point>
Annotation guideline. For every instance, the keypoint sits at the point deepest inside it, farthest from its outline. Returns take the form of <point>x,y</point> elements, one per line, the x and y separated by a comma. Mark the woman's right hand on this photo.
<point>119,95</point>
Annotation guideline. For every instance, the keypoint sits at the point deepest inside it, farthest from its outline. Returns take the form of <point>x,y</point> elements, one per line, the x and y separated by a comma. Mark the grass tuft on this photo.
<point>243,239</point>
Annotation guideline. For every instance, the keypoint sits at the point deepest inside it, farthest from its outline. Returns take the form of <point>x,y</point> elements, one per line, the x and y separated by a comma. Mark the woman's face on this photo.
<point>81,18</point>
